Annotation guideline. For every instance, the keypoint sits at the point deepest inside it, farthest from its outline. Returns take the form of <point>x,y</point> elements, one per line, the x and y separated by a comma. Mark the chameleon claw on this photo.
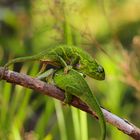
<point>67,68</point>
<point>68,99</point>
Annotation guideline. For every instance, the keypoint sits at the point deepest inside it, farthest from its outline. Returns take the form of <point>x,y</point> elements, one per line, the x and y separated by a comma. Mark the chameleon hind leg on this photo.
<point>44,65</point>
<point>47,75</point>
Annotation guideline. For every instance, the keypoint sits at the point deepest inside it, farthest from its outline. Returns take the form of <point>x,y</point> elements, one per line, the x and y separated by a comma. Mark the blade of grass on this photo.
<point>67,28</point>
<point>61,121</point>
<point>14,112</point>
<point>43,121</point>
<point>83,125</point>
<point>24,97</point>
<point>76,123</point>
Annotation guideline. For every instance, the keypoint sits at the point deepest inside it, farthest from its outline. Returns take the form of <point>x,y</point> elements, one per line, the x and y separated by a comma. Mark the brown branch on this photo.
<point>50,90</point>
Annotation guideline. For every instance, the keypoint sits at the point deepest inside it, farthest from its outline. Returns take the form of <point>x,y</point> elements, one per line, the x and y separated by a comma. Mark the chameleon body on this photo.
<point>73,83</point>
<point>64,55</point>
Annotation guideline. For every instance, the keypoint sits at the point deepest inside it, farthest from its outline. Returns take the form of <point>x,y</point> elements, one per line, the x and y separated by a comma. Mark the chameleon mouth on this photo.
<point>100,77</point>
<point>100,73</point>
<point>97,76</point>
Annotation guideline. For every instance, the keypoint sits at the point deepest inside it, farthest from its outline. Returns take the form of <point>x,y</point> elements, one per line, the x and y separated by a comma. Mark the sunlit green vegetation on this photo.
<point>109,30</point>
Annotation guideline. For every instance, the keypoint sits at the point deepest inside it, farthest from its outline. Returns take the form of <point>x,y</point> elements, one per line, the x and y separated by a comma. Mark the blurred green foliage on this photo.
<point>109,30</point>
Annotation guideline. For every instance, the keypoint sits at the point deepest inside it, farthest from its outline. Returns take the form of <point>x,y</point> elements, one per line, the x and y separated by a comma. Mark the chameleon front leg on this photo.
<point>68,98</point>
<point>69,93</point>
<point>75,63</point>
<point>64,64</point>
<point>75,60</point>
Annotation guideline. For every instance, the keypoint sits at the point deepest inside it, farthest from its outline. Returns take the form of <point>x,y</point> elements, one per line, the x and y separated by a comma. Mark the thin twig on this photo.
<point>50,90</point>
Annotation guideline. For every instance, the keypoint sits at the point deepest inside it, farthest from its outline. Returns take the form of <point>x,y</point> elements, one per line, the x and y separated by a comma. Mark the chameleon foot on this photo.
<point>68,98</point>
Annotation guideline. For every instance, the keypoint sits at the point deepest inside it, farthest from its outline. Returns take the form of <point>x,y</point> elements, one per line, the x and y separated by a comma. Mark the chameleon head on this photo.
<point>92,69</point>
<point>100,73</point>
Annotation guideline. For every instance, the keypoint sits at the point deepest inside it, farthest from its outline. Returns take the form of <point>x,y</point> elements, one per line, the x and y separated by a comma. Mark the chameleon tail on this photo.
<point>23,59</point>
<point>94,105</point>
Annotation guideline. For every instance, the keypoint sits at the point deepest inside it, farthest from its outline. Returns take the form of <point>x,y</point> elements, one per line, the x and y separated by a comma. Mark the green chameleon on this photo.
<point>66,57</point>
<point>69,57</point>
<point>73,83</point>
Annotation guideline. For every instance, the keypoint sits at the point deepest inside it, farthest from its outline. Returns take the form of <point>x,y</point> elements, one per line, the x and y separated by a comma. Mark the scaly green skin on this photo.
<point>64,55</point>
<point>73,83</point>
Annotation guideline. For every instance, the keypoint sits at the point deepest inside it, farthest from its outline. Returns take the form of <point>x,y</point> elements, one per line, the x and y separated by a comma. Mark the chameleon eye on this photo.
<point>100,69</point>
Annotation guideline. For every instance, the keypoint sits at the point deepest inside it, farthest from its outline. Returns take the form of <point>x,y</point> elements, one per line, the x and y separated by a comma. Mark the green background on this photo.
<point>109,30</point>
